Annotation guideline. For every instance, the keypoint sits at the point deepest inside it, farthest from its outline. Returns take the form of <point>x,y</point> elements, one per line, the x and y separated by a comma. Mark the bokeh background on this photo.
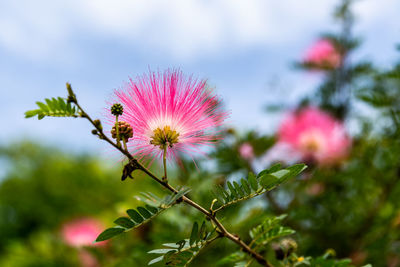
<point>54,172</point>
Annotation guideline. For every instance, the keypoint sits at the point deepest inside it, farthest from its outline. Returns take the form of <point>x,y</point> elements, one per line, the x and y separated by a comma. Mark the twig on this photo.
<point>233,237</point>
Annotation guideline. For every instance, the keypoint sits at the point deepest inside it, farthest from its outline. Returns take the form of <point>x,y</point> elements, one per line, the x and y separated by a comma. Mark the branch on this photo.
<point>235,238</point>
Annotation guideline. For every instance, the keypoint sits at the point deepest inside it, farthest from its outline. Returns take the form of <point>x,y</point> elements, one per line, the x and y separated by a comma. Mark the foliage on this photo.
<point>351,208</point>
<point>184,251</point>
<point>254,186</point>
<point>54,107</point>
<point>142,214</point>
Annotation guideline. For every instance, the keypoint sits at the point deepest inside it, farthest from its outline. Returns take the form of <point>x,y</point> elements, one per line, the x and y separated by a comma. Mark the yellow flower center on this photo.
<point>312,142</point>
<point>300,259</point>
<point>165,137</point>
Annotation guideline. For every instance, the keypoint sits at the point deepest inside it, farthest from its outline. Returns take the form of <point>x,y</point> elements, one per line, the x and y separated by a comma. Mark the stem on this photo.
<point>117,130</point>
<point>208,242</point>
<point>165,178</point>
<point>233,237</point>
<point>124,142</point>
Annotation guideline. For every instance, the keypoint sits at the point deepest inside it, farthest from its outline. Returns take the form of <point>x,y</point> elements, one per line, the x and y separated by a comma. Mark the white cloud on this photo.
<point>32,29</point>
<point>179,28</point>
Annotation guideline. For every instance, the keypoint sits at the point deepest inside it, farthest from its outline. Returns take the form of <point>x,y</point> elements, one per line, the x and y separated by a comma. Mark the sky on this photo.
<point>246,50</point>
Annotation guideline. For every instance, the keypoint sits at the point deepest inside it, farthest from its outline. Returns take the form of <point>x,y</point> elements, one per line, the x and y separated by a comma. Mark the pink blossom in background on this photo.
<point>169,110</point>
<point>316,135</point>
<point>246,151</point>
<point>280,152</point>
<point>315,189</point>
<point>87,259</point>
<point>323,54</point>
<point>82,232</point>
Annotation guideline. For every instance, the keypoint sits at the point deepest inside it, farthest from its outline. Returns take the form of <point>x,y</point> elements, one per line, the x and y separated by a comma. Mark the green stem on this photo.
<point>117,130</point>
<point>124,142</point>
<point>165,178</point>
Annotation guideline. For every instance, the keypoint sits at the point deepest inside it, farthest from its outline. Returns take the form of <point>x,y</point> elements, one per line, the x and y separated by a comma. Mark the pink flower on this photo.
<point>169,111</point>
<point>315,189</point>
<point>82,232</point>
<point>246,151</point>
<point>87,259</point>
<point>323,54</point>
<point>316,134</point>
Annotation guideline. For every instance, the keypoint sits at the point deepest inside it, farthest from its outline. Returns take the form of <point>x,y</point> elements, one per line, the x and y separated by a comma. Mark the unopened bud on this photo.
<point>125,131</point>
<point>71,95</point>
<point>97,123</point>
<point>117,109</point>
<point>94,132</point>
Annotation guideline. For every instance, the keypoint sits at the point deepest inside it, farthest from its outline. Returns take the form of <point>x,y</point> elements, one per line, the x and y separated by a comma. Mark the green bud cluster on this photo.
<point>117,109</point>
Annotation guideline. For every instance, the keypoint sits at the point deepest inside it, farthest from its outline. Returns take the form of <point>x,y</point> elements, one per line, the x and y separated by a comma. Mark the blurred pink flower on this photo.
<point>169,110</point>
<point>246,151</point>
<point>316,135</point>
<point>82,232</point>
<point>87,259</point>
<point>315,189</point>
<point>323,54</point>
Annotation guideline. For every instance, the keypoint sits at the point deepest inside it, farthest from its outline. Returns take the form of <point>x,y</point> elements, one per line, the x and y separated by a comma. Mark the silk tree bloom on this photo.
<point>316,135</point>
<point>169,112</point>
<point>246,151</point>
<point>323,54</point>
<point>82,232</point>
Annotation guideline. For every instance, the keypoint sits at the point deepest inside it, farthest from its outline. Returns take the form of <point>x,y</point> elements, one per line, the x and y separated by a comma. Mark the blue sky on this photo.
<point>244,48</point>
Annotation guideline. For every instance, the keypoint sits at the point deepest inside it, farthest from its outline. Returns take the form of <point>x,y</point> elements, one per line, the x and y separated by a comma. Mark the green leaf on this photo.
<point>238,189</point>
<point>142,214</point>
<point>135,215</point>
<point>145,213</point>
<point>152,209</point>
<point>193,235</point>
<point>269,230</point>
<point>232,189</point>
<point>253,182</point>
<point>124,222</point>
<point>156,260</point>
<point>268,181</point>
<point>31,113</point>
<point>54,107</point>
<point>180,194</point>
<point>222,193</point>
<point>50,104</point>
<point>296,169</point>
<point>42,106</point>
<point>218,195</point>
<point>273,168</point>
<point>161,251</point>
<point>110,232</point>
<point>61,104</point>
<point>184,251</point>
<point>280,174</point>
<point>252,187</point>
<point>246,186</point>
<point>203,231</point>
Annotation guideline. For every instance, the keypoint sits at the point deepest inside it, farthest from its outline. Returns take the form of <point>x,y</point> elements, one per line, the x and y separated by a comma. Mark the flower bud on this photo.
<point>97,123</point>
<point>71,96</point>
<point>124,129</point>
<point>117,109</point>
